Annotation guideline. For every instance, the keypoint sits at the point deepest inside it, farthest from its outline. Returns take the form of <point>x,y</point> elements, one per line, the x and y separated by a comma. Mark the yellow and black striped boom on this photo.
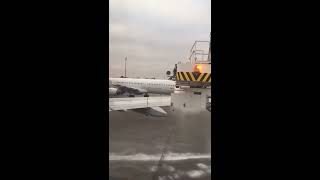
<point>193,78</point>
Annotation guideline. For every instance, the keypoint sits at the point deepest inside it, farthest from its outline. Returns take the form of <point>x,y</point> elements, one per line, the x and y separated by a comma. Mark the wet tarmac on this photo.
<point>136,143</point>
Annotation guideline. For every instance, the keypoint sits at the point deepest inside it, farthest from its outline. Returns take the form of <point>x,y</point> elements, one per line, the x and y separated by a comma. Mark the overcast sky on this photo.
<point>154,34</point>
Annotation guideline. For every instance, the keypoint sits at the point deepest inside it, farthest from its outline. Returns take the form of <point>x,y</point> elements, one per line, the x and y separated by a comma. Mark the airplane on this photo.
<point>145,105</point>
<point>119,86</point>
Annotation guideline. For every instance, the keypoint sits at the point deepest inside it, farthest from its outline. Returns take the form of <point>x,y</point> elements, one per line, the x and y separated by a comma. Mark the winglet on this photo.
<point>157,111</point>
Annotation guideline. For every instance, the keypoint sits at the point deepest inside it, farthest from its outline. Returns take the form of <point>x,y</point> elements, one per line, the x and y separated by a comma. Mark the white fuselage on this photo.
<point>156,86</point>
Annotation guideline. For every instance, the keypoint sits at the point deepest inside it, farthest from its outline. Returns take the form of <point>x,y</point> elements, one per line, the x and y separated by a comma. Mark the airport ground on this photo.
<point>137,141</point>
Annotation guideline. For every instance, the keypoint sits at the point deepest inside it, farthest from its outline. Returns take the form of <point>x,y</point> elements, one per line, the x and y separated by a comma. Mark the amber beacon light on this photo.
<point>197,68</point>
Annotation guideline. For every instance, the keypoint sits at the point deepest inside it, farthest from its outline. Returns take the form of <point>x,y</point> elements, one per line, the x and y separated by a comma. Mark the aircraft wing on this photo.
<point>149,105</point>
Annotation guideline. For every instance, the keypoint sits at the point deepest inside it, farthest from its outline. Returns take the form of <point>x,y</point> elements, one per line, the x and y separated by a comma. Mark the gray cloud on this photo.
<point>154,34</point>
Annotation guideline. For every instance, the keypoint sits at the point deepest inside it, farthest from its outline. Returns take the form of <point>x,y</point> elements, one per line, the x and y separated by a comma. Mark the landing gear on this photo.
<point>131,95</point>
<point>146,95</point>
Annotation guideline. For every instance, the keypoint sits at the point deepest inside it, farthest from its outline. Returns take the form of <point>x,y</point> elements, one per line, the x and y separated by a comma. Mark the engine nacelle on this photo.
<point>113,91</point>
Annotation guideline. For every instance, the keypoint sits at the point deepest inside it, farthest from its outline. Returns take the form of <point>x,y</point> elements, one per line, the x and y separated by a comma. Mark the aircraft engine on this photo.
<point>113,91</point>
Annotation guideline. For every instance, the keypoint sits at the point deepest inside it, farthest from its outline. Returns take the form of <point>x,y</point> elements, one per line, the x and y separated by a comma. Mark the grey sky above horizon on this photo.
<point>154,34</point>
